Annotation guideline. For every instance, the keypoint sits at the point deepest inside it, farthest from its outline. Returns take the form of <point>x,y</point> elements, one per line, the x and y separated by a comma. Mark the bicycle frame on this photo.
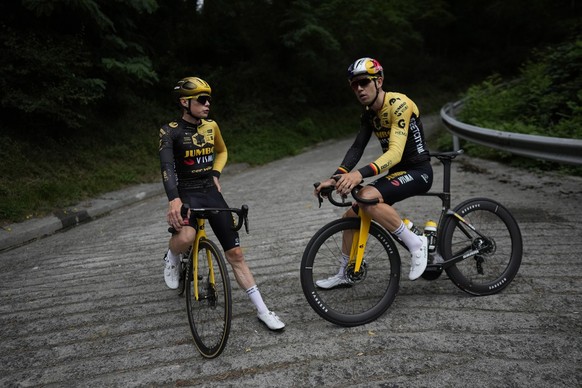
<point>360,239</point>
<point>200,234</point>
<point>446,211</point>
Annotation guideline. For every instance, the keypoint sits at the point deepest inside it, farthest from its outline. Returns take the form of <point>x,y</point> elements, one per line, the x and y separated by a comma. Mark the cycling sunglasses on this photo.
<point>203,99</point>
<point>361,82</point>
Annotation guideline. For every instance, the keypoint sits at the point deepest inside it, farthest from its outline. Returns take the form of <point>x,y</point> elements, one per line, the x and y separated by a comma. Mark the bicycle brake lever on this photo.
<point>319,199</point>
<point>245,209</point>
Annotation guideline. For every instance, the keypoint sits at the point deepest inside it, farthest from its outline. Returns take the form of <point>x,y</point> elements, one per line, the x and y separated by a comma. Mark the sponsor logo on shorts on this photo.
<point>401,180</point>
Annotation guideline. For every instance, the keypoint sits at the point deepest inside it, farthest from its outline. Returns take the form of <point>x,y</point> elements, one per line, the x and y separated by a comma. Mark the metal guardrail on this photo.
<point>554,149</point>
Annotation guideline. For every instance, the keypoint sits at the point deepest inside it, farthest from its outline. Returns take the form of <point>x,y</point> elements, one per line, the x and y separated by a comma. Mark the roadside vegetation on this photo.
<point>544,99</point>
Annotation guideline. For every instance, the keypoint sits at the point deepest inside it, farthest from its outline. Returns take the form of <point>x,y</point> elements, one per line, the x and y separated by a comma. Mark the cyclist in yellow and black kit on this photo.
<point>192,156</point>
<point>395,120</point>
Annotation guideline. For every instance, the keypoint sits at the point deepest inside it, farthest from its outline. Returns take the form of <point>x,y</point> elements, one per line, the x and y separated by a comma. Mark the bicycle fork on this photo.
<point>359,241</point>
<point>201,233</point>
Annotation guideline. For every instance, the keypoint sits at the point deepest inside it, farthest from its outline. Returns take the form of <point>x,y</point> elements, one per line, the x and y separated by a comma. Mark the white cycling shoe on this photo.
<point>333,282</point>
<point>419,260</point>
<point>271,320</point>
<point>171,274</point>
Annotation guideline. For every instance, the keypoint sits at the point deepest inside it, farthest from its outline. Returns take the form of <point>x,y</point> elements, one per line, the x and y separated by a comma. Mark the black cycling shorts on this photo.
<point>397,186</point>
<point>221,223</point>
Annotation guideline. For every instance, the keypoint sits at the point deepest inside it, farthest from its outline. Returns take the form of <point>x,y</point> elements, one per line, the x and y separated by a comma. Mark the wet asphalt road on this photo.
<point>88,306</point>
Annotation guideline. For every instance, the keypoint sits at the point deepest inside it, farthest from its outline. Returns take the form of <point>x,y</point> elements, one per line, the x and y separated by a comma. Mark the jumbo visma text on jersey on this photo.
<point>190,154</point>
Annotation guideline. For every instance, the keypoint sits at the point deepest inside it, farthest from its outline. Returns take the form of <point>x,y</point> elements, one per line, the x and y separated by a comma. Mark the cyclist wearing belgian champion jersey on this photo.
<point>394,119</point>
<point>192,156</point>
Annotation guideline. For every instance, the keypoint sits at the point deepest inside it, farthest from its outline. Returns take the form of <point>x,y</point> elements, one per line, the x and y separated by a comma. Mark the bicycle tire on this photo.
<point>183,272</point>
<point>365,300</point>
<point>182,283</point>
<point>210,316</point>
<point>492,271</point>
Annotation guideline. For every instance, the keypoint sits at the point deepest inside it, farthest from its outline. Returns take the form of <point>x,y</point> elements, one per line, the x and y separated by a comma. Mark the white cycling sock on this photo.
<point>343,263</point>
<point>257,299</point>
<point>411,240</point>
<point>173,259</point>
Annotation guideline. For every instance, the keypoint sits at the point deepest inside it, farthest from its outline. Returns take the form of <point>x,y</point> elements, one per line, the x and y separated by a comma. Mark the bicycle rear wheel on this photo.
<point>499,247</point>
<point>369,293</point>
<point>210,314</point>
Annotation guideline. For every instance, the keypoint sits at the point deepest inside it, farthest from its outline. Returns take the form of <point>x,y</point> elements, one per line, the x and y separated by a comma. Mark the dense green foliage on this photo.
<point>85,84</point>
<point>545,99</point>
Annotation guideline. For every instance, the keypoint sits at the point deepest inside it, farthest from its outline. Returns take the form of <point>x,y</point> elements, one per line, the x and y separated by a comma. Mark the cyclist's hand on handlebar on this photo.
<point>326,183</point>
<point>174,214</point>
<point>346,182</point>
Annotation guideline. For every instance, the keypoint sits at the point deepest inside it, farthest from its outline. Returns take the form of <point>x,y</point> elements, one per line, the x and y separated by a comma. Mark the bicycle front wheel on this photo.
<point>210,312</point>
<point>364,296</point>
<point>493,250</point>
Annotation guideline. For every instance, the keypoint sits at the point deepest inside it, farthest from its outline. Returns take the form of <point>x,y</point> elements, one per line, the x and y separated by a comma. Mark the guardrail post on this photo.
<point>456,143</point>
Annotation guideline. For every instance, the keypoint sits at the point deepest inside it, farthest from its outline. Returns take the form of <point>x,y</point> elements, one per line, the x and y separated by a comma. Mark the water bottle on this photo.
<point>410,225</point>
<point>430,231</point>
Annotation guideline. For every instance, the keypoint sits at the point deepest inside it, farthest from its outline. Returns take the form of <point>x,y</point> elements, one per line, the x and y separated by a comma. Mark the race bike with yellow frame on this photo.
<point>478,244</point>
<point>204,277</point>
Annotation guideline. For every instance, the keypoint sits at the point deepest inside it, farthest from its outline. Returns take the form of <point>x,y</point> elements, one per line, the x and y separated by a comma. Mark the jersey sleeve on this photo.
<point>355,152</point>
<point>220,153</point>
<point>166,150</point>
<point>396,144</point>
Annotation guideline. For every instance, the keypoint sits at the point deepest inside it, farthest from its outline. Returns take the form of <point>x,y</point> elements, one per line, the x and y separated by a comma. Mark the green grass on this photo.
<point>265,142</point>
<point>45,174</point>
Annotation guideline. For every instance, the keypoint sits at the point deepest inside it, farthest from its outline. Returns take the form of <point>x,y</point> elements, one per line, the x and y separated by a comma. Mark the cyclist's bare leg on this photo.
<point>387,216</point>
<point>348,235</point>
<point>347,238</point>
<point>382,213</point>
<point>245,279</point>
<point>181,241</point>
<point>242,272</point>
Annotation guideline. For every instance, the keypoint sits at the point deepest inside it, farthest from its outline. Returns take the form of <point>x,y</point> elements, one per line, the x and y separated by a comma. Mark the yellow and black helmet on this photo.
<point>191,87</point>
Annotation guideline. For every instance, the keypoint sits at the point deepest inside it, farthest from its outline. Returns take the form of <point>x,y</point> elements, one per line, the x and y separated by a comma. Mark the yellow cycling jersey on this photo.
<point>190,155</point>
<point>399,130</point>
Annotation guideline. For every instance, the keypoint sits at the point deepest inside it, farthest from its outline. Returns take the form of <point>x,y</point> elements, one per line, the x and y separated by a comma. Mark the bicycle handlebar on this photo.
<point>327,192</point>
<point>242,214</point>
